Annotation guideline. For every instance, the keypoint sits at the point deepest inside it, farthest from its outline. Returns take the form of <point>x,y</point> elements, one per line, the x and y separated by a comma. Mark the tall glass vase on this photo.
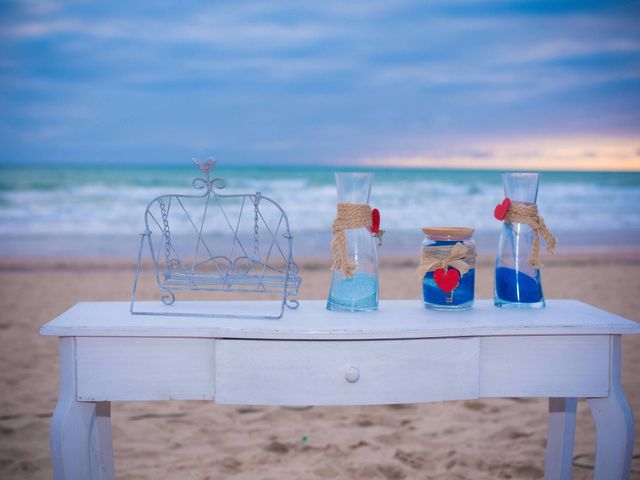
<point>358,291</point>
<point>517,282</point>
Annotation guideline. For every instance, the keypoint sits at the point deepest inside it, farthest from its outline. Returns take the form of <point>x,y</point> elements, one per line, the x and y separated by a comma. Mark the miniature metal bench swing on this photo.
<point>212,242</point>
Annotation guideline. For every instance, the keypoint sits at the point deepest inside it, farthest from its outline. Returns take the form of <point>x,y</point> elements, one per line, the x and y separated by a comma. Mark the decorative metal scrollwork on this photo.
<point>168,298</point>
<point>208,183</point>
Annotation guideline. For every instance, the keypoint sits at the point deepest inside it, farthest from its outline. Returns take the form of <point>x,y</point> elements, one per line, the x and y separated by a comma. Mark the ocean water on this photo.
<point>98,211</point>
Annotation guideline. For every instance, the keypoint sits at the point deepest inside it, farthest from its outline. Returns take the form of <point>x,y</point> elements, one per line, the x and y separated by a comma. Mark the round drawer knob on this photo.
<point>352,375</point>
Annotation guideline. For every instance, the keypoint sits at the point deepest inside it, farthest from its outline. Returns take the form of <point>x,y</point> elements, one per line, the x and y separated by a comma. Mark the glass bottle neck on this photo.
<point>354,187</point>
<point>521,187</point>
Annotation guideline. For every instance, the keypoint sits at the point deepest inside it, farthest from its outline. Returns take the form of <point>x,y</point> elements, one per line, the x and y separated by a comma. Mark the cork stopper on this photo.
<point>448,233</point>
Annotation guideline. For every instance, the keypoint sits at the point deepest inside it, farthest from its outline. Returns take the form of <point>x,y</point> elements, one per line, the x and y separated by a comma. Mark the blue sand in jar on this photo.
<point>515,286</point>
<point>432,294</point>
<point>360,292</point>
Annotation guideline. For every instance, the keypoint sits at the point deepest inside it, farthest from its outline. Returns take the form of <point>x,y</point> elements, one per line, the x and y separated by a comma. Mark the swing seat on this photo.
<point>203,281</point>
<point>217,242</point>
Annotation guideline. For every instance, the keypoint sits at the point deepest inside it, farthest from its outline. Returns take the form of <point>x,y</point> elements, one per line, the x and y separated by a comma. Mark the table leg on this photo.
<point>81,446</point>
<point>614,424</point>
<point>560,433</point>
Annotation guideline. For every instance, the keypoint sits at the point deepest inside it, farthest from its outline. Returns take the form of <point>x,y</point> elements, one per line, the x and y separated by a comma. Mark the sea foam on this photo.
<point>70,203</point>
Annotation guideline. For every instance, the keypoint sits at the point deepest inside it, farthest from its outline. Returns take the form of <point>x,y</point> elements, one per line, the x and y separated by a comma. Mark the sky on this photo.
<point>451,84</point>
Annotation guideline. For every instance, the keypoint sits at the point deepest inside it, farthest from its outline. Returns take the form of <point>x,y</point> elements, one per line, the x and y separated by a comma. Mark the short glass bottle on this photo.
<point>462,295</point>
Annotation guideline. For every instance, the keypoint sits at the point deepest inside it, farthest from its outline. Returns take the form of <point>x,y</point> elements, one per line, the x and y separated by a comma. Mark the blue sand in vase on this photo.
<point>360,292</point>
<point>433,295</point>
<point>515,286</point>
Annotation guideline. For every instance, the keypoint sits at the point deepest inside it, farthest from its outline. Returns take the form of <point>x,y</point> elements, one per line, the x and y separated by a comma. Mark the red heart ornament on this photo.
<point>501,209</point>
<point>448,280</point>
<point>375,221</point>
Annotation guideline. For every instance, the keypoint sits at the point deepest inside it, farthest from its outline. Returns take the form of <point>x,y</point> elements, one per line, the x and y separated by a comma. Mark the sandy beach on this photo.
<point>476,439</point>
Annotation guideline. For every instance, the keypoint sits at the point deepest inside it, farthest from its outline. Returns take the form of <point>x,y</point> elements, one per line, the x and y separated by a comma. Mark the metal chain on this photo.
<point>256,240</point>
<point>167,241</point>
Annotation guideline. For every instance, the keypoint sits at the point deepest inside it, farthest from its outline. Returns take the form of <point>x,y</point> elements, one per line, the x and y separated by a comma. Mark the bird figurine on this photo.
<point>204,166</point>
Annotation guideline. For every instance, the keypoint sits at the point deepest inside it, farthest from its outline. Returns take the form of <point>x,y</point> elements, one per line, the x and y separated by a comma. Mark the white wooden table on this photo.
<point>400,354</point>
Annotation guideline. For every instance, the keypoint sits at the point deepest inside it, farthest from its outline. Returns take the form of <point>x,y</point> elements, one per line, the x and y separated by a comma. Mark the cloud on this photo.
<point>550,153</point>
<point>567,49</point>
<point>205,27</point>
<point>44,28</point>
<point>38,7</point>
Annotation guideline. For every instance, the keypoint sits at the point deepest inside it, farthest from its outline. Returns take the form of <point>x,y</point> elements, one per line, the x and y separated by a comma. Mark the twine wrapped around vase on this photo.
<point>349,215</point>
<point>528,213</point>
<point>459,256</point>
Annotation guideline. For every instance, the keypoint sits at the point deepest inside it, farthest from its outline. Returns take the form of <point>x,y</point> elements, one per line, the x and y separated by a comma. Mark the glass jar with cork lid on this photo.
<point>447,268</point>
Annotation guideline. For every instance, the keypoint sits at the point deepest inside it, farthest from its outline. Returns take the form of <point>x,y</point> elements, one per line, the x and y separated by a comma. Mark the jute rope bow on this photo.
<point>528,213</point>
<point>459,256</point>
<point>349,215</point>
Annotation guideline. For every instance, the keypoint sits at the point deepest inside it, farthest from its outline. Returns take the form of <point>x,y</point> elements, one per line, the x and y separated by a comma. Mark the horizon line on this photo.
<point>85,166</point>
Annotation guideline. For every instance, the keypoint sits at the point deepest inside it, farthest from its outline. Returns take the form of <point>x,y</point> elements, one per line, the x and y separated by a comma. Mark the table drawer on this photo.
<point>345,372</point>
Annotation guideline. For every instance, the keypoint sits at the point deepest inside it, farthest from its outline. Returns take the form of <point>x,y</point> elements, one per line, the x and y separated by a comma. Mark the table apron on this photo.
<point>341,372</point>
<point>135,368</point>
<point>545,366</point>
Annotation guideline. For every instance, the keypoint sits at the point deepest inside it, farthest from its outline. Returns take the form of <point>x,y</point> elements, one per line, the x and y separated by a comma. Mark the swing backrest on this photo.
<point>220,242</point>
